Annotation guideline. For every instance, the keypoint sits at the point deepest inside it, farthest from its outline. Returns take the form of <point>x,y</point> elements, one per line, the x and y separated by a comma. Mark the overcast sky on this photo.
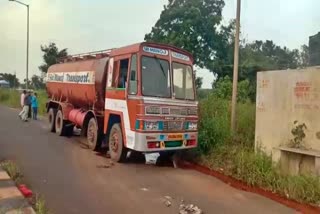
<point>88,25</point>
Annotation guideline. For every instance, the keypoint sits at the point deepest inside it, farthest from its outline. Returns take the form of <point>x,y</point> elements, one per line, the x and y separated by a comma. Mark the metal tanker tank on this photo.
<point>79,82</point>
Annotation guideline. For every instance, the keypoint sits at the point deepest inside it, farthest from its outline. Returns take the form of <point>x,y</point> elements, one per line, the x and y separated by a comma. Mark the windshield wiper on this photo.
<point>162,69</point>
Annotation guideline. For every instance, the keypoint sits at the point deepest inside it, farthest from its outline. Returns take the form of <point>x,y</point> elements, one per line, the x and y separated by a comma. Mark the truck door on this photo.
<point>117,82</point>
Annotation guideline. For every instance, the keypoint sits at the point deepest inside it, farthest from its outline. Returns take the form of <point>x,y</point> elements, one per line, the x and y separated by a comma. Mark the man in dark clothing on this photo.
<point>26,104</point>
<point>29,112</point>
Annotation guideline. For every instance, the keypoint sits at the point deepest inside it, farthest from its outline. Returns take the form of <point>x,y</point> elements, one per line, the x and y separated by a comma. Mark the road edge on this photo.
<point>304,208</point>
<point>4,176</point>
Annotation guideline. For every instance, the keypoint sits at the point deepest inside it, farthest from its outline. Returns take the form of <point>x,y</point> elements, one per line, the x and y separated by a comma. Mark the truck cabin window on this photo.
<point>155,77</point>
<point>123,73</point>
<point>133,87</point>
<point>183,81</point>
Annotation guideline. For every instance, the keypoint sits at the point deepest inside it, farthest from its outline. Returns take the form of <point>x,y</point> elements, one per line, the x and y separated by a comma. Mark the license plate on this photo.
<point>175,137</point>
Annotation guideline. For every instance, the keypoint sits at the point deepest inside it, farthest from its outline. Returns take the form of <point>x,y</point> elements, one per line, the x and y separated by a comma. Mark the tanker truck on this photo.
<point>139,98</point>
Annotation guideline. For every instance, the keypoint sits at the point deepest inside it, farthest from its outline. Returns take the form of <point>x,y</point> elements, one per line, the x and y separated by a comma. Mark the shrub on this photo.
<point>214,123</point>
<point>214,126</point>
<point>222,88</point>
<point>257,169</point>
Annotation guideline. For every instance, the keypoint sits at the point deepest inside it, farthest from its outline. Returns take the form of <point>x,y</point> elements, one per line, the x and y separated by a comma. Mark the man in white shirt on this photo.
<point>23,94</point>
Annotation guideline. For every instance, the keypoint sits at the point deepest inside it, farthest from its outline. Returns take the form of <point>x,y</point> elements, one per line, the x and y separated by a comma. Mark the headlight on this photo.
<point>192,126</point>
<point>151,125</point>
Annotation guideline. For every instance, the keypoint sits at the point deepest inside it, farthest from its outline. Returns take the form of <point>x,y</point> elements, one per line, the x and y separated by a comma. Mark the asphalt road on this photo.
<point>71,180</point>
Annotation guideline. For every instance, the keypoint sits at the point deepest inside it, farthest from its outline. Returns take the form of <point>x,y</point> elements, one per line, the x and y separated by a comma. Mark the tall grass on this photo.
<point>235,155</point>
<point>11,98</point>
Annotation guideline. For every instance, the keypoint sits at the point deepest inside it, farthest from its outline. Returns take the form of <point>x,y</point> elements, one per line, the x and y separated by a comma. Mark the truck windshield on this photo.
<point>155,77</point>
<point>183,81</point>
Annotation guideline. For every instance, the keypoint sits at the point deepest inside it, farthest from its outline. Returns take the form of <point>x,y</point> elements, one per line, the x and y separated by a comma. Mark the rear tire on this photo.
<point>52,119</point>
<point>117,150</point>
<point>92,134</point>
<point>60,124</point>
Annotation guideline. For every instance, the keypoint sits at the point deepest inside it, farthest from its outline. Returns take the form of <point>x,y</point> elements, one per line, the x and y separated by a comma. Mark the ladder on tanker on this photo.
<point>86,56</point>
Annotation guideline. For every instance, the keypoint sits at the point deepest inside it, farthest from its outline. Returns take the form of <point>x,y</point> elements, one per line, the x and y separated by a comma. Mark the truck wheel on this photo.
<point>117,150</point>
<point>60,124</point>
<point>92,134</point>
<point>52,119</point>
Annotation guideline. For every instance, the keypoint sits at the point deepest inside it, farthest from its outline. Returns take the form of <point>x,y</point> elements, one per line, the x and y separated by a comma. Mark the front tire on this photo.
<point>52,119</point>
<point>60,124</point>
<point>117,150</point>
<point>92,134</point>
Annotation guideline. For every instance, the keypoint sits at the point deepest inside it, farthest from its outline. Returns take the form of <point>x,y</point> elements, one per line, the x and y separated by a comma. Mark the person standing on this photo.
<point>26,104</point>
<point>30,109</point>
<point>23,94</point>
<point>34,105</point>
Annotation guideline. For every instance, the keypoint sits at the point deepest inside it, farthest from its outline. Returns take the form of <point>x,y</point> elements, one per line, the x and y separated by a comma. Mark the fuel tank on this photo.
<point>80,83</point>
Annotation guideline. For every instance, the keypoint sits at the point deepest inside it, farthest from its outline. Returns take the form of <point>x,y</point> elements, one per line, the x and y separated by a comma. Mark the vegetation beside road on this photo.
<point>235,156</point>
<point>11,98</point>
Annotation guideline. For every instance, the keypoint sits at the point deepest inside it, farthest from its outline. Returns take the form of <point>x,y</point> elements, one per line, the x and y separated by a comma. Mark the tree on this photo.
<point>12,79</point>
<point>198,82</point>
<point>193,26</point>
<point>37,82</point>
<point>51,56</point>
<point>305,56</point>
<point>222,88</point>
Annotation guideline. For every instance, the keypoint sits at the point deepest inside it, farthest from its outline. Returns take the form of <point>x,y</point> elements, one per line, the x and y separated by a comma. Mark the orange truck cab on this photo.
<point>139,98</point>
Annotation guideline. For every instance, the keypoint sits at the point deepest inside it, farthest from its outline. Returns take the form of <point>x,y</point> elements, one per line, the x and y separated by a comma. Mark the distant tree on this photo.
<point>23,85</point>
<point>198,82</point>
<point>51,54</point>
<point>305,56</point>
<point>222,88</point>
<point>11,78</point>
<point>37,82</point>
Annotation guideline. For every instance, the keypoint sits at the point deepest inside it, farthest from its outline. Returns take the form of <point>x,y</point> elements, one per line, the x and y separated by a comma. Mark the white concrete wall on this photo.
<point>283,97</point>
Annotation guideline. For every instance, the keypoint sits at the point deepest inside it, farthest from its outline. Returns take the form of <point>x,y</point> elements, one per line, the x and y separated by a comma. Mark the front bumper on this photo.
<point>168,141</point>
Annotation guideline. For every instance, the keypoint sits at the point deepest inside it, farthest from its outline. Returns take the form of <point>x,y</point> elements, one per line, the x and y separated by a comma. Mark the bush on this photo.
<point>257,169</point>
<point>222,88</point>
<point>214,125</point>
<point>235,155</point>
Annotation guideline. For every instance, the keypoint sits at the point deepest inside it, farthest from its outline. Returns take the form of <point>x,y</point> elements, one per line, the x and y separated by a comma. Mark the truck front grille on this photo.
<point>173,125</point>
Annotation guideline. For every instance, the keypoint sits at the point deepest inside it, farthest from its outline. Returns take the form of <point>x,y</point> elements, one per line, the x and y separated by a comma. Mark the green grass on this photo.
<point>13,171</point>
<point>40,205</point>
<point>235,155</point>
<point>11,98</point>
<point>257,169</point>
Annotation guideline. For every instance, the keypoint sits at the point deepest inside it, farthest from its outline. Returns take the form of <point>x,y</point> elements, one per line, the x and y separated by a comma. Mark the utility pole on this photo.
<point>27,63</point>
<point>14,80</point>
<point>235,70</point>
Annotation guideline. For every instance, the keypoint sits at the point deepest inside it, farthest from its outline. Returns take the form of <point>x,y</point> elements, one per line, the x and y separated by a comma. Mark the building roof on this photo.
<point>4,82</point>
